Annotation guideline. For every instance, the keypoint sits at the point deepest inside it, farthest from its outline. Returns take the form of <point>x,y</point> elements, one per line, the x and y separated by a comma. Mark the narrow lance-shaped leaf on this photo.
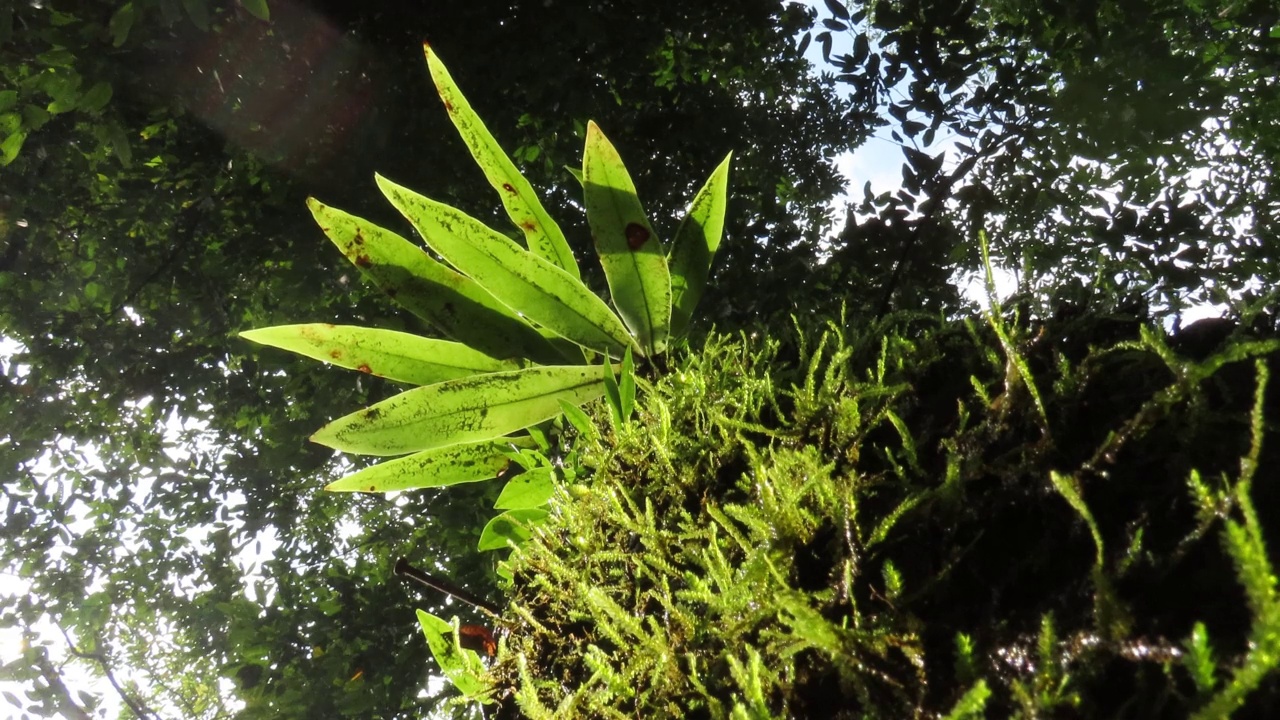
<point>438,467</point>
<point>391,354</point>
<point>539,290</point>
<point>627,386</point>
<point>463,667</point>
<point>695,246</point>
<point>452,303</point>
<point>481,407</point>
<point>541,233</point>
<point>630,252</point>
<point>613,395</point>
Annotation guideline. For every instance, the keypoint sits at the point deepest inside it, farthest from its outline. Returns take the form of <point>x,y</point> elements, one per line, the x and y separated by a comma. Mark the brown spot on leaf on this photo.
<point>359,238</point>
<point>528,225</point>
<point>477,638</point>
<point>508,188</point>
<point>363,261</point>
<point>372,413</point>
<point>336,354</point>
<point>637,235</point>
<point>447,105</point>
<point>364,368</point>
<point>373,488</point>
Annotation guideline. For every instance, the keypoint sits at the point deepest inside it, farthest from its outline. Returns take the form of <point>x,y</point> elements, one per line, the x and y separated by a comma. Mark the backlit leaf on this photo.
<point>541,233</point>
<point>481,407</point>
<point>535,287</point>
<point>578,419</point>
<point>452,303</point>
<point>632,256</point>
<point>529,489</point>
<point>513,527</point>
<point>398,356</point>
<point>438,467</point>
<point>463,667</point>
<point>695,245</point>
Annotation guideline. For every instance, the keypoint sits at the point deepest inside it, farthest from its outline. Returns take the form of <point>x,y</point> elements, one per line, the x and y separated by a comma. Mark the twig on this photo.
<point>404,569</point>
<point>138,708</point>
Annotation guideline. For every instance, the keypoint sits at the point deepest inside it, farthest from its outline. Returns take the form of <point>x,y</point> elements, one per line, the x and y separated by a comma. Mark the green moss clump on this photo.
<point>920,519</point>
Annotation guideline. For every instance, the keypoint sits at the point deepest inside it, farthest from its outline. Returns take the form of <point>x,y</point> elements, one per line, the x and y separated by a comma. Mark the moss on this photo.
<point>912,519</point>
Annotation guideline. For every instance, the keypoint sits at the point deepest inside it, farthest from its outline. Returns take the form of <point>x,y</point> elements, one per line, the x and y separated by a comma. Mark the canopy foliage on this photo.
<point>156,157</point>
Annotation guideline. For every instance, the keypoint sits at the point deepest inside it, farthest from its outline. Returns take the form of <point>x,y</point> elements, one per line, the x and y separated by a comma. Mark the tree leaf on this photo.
<point>257,8</point>
<point>96,97</point>
<point>463,667</point>
<point>529,489</point>
<point>513,527</point>
<point>542,235</point>
<point>120,144</point>
<point>534,287</point>
<point>838,9</point>
<point>394,355</point>
<point>198,11</point>
<point>482,407</point>
<point>630,253</point>
<point>11,146</point>
<point>121,23</point>
<point>452,303</point>
<point>438,467</point>
<point>695,246</point>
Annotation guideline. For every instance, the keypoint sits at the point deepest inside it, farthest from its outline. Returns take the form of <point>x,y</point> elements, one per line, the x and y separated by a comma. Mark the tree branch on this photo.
<point>137,706</point>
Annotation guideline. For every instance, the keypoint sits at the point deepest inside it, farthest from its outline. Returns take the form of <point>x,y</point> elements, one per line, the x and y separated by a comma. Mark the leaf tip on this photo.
<point>323,436</point>
<point>383,183</point>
